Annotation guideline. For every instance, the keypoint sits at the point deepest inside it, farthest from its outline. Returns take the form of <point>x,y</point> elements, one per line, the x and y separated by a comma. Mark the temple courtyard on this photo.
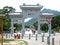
<point>33,40</point>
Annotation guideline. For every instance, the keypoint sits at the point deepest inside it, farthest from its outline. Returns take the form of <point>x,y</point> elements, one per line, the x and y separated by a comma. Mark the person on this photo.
<point>33,31</point>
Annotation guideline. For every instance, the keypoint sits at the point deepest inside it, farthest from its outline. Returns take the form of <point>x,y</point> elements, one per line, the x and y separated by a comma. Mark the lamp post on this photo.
<point>2,28</point>
<point>49,19</point>
<point>2,18</point>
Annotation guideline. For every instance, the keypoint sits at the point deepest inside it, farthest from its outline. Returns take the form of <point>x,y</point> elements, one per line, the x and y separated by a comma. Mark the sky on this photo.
<point>49,4</point>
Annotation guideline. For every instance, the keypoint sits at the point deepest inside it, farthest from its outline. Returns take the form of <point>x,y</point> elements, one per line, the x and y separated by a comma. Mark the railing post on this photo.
<point>59,42</point>
<point>43,38</point>
<point>48,42</point>
<point>29,36</point>
<point>52,41</point>
<point>54,34</point>
<point>36,36</point>
<point>22,36</point>
<point>6,36</point>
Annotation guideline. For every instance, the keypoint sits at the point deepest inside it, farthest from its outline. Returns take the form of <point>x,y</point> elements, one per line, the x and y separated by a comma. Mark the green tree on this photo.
<point>7,23</point>
<point>5,11</point>
<point>18,27</point>
<point>35,25</point>
<point>56,21</point>
<point>0,25</point>
<point>31,26</point>
<point>44,27</point>
<point>8,9</point>
<point>1,11</point>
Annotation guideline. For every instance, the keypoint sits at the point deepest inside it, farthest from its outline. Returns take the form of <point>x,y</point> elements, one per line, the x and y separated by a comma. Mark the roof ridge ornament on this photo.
<point>37,4</point>
<point>23,4</point>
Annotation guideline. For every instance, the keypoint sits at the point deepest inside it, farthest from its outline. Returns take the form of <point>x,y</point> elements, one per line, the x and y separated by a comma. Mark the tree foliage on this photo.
<point>44,27</point>
<point>8,9</point>
<point>1,11</point>
<point>36,25</point>
<point>7,22</point>
<point>56,22</point>
<point>0,25</point>
<point>18,27</point>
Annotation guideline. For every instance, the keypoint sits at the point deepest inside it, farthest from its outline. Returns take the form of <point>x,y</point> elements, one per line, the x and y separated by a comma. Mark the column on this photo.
<point>39,31</point>
<point>49,28</point>
<point>23,26</point>
<point>12,26</point>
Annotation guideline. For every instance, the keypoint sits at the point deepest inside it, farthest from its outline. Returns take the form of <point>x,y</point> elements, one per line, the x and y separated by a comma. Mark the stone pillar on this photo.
<point>49,28</point>
<point>23,26</point>
<point>39,31</point>
<point>12,26</point>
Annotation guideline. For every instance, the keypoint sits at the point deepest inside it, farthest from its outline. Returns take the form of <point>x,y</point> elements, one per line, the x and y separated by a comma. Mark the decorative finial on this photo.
<point>24,4</point>
<point>37,4</point>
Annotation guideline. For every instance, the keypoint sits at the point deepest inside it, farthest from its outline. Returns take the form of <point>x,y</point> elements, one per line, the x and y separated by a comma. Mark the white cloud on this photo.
<point>51,4</point>
<point>27,19</point>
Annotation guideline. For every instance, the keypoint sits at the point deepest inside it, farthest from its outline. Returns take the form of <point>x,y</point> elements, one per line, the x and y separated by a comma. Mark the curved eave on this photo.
<point>16,13</point>
<point>31,7</point>
<point>47,14</point>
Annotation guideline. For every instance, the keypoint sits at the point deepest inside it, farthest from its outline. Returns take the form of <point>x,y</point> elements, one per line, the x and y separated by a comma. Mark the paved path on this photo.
<point>33,41</point>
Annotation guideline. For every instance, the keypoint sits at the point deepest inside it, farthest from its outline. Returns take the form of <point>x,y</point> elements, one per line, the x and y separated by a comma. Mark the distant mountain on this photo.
<point>30,22</point>
<point>50,11</point>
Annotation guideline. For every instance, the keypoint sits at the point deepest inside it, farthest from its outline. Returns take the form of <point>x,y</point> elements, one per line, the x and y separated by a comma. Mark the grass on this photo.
<point>7,40</point>
<point>25,42</point>
<point>21,42</point>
